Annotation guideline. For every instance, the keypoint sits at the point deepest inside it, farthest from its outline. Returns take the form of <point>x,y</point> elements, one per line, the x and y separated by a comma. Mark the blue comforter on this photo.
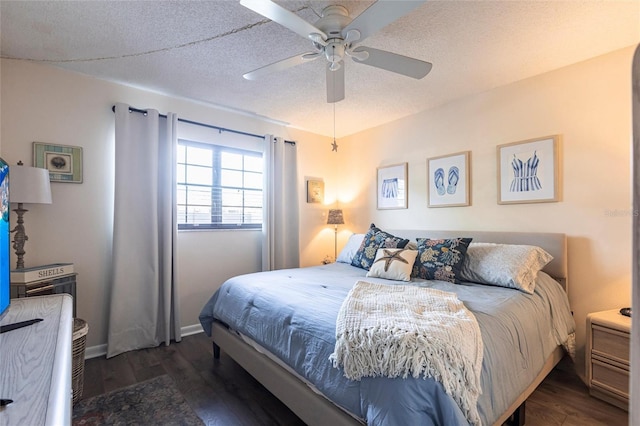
<point>292,313</point>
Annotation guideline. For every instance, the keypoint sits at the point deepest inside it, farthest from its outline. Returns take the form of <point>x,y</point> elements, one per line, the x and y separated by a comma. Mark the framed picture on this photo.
<point>392,187</point>
<point>64,162</point>
<point>449,180</point>
<point>528,171</point>
<point>315,191</point>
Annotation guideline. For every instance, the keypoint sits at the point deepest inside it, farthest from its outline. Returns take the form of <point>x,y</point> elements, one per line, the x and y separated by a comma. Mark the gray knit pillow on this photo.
<point>505,265</point>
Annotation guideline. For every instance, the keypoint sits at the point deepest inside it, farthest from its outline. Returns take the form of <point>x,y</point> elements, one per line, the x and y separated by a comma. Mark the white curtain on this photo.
<point>280,246</point>
<point>144,293</point>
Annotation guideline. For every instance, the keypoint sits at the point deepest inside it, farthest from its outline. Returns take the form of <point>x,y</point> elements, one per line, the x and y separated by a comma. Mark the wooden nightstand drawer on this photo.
<point>610,377</point>
<point>610,343</point>
<point>608,335</point>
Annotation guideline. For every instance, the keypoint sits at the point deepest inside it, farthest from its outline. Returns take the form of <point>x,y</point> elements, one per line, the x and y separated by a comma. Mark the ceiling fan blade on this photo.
<point>379,15</point>
<point>393,62</point>
<point>281,65</point>
<point>335,84</point>
<point>282,16</point>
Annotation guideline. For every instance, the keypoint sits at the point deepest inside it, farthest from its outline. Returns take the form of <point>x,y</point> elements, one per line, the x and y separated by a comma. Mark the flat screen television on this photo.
<point>4,238</point>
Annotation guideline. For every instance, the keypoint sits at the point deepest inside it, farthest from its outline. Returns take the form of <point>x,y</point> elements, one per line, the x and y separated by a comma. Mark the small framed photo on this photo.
<point>392,187</point>
<point>64,162</point>
<point>315,191</point>
<point>528,171</point>
<point>449,180</point>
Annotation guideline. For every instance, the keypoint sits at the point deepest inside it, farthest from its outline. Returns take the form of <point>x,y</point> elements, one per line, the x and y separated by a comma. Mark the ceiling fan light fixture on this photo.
<point>334,52</point>
<point>310,56</point>
<point>360,55</point>
<point>335,66</point>
<point>318,38</point>
<point>351,36</point>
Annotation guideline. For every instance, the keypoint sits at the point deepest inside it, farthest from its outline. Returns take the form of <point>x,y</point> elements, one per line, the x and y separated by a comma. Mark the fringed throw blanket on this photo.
<point>397,331</point>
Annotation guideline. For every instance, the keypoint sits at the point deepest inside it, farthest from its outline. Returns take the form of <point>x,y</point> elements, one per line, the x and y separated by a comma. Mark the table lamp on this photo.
<point>335,218</point>
<point>26,185</point>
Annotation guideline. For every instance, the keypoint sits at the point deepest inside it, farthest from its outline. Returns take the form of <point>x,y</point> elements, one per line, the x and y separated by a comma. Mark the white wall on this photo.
<point>46,104</point>
<point>589,105</point>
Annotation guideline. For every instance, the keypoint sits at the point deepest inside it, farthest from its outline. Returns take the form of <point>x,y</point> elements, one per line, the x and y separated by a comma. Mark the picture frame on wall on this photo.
<point>315,191</point>
<point>64,162</point>
<point>528,171</point>
<point>392,185</point>
<point>449,180</point>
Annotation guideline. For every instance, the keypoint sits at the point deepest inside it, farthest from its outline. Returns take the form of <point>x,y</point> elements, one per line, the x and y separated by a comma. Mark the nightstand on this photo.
<point>608,357</point>
<point>61,284</point>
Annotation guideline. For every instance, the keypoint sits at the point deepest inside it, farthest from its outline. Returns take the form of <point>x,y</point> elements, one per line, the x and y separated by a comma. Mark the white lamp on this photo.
<point>26,185</point>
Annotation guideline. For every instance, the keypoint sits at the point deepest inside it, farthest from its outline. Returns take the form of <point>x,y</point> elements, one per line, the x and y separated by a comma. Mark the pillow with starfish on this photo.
<point>373,240</point>
<point>440,259</point>
<point>393,264</point>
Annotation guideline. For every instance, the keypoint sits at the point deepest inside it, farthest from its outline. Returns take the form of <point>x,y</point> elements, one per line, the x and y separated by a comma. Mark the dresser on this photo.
<point>608,357</point>
<point>35,367</point>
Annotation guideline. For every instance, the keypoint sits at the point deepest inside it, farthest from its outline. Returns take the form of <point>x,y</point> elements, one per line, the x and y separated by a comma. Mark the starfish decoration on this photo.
<point>390,256</point>
<point>334,146</point>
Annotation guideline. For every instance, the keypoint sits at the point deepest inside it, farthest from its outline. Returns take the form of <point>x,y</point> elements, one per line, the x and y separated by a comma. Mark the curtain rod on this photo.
<point>209,126</point>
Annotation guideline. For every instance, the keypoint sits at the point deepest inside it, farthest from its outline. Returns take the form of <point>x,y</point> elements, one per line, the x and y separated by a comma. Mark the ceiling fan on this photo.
<point>335,35</point>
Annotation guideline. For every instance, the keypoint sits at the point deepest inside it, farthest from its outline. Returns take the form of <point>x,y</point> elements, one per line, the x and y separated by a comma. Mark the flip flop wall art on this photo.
<point>449,180</point>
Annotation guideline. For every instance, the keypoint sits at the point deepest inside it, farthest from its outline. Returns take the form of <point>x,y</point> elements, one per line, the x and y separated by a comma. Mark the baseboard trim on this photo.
<point>95,351</point>
<point>101,350</point>
<point>191,329</point>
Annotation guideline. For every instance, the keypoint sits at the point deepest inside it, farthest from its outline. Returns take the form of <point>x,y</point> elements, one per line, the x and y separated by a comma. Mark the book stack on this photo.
<point>41,273</point>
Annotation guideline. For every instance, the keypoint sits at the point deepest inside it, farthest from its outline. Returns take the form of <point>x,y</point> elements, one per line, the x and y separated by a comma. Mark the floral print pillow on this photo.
<point>440,259</point>
<point>374,239</point>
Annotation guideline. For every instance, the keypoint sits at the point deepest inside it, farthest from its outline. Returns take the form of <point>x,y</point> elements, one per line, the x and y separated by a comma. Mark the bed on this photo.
<point>280,326</point>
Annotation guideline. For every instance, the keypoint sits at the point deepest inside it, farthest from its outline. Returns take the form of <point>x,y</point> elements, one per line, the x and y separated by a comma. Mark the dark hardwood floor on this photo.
<point>222,393</point>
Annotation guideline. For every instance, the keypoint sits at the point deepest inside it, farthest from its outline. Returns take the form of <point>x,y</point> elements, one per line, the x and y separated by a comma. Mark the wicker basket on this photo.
<point>80,330</point>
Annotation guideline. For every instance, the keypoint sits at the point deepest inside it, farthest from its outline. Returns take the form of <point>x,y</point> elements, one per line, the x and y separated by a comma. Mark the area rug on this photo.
<point>154,402</point>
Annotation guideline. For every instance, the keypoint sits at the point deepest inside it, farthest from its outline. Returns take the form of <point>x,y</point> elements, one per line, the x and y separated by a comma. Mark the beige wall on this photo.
<point>588,104</point>
<point>45,104</point>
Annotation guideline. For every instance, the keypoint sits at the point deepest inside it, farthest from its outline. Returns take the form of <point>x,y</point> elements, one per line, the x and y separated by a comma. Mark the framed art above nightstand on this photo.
<point>608,357</point>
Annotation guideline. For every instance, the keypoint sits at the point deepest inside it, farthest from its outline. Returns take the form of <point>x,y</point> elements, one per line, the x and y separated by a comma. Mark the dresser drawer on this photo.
<point>610,343</point>
<point>610,377</point>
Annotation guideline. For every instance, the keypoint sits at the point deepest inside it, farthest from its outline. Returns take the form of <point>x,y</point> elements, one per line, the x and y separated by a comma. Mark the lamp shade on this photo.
<point>335,217</point>
<point>29,185</point>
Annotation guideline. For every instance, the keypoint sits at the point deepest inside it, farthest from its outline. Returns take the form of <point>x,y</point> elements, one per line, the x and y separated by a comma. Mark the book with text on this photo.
<point>39,273</point>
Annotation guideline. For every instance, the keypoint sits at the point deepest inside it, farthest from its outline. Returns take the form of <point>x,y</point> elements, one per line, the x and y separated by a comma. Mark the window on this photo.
<point>218,187</point>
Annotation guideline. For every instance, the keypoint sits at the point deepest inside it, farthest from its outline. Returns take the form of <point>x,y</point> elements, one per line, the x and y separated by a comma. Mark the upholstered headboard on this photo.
<point>554,243</point>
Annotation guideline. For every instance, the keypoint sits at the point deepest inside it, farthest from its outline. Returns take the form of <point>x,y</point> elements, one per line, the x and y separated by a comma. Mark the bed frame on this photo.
<point>315,409</point>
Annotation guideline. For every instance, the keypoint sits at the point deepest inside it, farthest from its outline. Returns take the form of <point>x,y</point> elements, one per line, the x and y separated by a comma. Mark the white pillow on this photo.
<point>393,264</point>
<point>505,265</point>
<point>350,249</point>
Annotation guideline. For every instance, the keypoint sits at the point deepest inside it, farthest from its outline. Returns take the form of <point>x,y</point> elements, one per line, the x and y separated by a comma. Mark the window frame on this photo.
<point>216,202</point>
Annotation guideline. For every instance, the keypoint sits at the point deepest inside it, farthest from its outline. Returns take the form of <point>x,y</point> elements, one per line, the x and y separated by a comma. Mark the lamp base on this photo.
<point>20,237</point>
<point>335,248</point>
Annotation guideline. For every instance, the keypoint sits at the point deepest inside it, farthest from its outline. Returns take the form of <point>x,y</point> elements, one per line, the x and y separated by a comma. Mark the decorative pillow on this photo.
<point>374,239</point>
<point>440,259</point>
<point>505,265</point>
<point>393,264</point>
<point>350,249</point>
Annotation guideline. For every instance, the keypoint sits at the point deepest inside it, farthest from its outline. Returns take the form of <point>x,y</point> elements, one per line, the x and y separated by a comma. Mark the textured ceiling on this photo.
<point>199,50</point>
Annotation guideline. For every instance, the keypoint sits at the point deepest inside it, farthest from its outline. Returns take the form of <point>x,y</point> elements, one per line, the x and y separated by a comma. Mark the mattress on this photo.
<point>291,313</point>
